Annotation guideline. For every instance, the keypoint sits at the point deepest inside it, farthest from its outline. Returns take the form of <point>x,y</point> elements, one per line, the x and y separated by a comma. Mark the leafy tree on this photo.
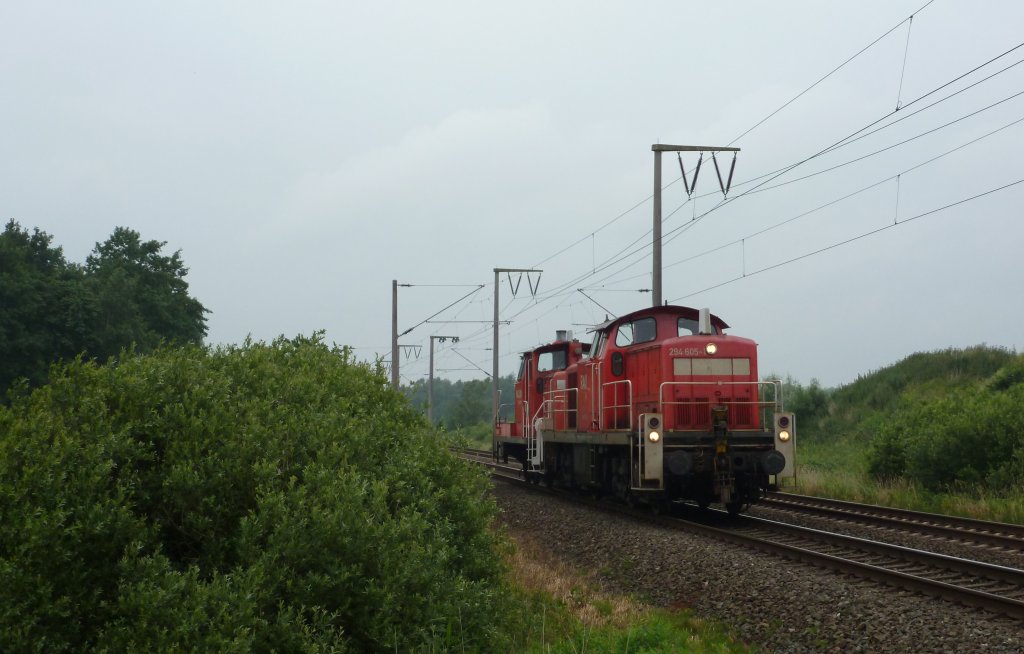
<point>460,404</point>
<point>141,296</point>
<point>811,403</point>
<point>473,406</point>
<point>45,308</point>
<point>127,294</point>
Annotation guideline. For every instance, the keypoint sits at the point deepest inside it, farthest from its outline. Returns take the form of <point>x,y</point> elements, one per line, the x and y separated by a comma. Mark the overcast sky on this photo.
<point>302,155</point>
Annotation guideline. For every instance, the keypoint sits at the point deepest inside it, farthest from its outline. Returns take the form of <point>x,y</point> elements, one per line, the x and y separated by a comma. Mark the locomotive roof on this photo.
<point>667,309</point>
<point>554,345</point>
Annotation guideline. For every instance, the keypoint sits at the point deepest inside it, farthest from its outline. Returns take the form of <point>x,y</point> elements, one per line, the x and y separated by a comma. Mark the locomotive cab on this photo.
<point>541,371</point>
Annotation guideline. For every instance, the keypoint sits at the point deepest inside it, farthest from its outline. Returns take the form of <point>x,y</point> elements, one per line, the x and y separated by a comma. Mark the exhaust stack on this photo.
<point>704,322</point>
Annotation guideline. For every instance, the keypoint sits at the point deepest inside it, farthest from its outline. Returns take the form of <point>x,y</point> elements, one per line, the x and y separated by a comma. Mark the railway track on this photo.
<point>963,581</point>
<point>963,530</point>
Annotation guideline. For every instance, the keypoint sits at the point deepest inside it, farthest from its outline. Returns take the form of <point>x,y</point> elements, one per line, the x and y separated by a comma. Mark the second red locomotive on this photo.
<point>662,406</point>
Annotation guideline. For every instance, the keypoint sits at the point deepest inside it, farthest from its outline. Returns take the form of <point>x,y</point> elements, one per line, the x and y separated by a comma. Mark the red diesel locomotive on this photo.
<point>662,407</point>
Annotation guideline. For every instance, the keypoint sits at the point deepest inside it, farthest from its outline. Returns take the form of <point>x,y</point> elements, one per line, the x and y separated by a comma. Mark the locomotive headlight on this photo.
<point>654,437</point>
<point>711,348</point>
<point>784,435</point>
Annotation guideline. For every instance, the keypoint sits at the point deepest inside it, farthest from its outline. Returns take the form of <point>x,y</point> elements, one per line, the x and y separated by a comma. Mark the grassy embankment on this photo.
<point>839,472</point>
<point>939,431</point>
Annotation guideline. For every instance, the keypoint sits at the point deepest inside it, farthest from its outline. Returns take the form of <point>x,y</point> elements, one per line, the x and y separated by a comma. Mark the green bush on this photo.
<point>1008,376</point>
<point>972,436</point>
<point>258,498</point>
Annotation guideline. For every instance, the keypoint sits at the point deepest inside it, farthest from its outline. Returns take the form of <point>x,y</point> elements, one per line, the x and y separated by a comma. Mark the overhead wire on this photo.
<point>840,199</point>
<point>855,238</point>
<point>903,70</point>
<point>890,147</point>
<point>672,234</point>
<point>829,203</point>
<point>831,72</point>
<point>476,290</point>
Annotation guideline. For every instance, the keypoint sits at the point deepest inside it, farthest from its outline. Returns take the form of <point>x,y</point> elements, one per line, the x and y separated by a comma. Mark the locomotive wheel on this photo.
<point>631,500</point>
<point>661,506</point>
<point>734,508</point>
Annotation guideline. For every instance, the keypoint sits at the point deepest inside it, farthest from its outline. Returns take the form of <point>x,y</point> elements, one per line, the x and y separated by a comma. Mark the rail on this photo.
<point>992,534</point>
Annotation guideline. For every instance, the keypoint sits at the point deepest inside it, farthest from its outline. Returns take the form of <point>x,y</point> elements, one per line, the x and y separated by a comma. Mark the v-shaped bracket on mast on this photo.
<point>725,187</point>
<point>533,287</point>
<point>690,188</point>
<point>519,280</point>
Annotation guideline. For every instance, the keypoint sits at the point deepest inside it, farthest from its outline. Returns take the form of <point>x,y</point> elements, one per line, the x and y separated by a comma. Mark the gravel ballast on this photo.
<point>771,603</point>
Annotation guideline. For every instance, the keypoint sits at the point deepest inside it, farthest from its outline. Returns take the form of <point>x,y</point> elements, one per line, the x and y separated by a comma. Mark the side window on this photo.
<point>555,360</point>
<point>559,359</point>
<point>522,368</point>
<point>638,331</point>
<point>645,330</point>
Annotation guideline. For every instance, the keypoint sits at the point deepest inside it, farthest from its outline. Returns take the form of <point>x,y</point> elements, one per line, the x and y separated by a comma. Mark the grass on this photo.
<point>839,470</point>
<point>567,613</point>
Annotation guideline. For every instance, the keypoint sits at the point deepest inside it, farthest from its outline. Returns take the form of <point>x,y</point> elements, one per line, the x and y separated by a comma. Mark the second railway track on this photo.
<point>954,528</point>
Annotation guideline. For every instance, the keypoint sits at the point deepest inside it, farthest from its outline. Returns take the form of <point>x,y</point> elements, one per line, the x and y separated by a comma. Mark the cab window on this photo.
<point>690,327</point>
<point>522,368</point>
<point>554,360</point>
<point>638,331</point>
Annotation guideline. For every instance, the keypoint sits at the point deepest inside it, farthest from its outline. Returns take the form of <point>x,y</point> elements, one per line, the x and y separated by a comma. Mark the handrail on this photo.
<point>559,398</point>
<point>539,409</point>
<point>501,407</point>
<point>615,396</point>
